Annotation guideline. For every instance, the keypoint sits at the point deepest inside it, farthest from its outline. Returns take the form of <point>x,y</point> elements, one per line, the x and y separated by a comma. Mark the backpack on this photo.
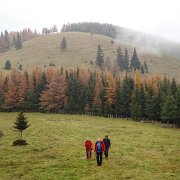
<point>99,148</point>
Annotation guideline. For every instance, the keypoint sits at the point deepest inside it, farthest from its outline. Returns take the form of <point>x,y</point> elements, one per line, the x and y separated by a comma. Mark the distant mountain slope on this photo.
<point>81,49</point>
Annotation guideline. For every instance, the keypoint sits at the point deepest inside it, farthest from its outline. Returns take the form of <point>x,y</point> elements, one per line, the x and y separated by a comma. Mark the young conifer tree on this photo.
<point>63,44</point>
<point>21,123</point>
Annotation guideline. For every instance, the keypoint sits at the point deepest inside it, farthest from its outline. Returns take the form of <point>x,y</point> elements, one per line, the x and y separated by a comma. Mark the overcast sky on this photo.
<point>158,17</point>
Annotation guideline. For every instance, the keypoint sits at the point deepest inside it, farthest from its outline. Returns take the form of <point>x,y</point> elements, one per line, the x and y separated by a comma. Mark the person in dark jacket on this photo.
<point>99,149</point>
<point>107,143</point>
<point>88,145</point>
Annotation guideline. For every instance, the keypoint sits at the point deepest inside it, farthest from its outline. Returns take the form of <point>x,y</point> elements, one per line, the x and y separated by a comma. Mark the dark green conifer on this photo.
<point>18,41</point>
<point>169,109</point>
<point>21,123</point>
<point>7,65</point>
<point>100,57</point>
<point>120,59</point>
<point>63,44</point>
<point>135,63</point>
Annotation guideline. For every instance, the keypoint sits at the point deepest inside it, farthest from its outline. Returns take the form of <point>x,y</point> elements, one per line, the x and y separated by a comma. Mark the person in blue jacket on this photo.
<point>107,143</point>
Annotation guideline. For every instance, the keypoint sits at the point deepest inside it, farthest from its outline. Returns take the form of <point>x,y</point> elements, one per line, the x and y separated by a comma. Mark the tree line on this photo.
<point>101,92</point>
<point>123,63</point>
<point>46,31</point>
<point>98,28</point>
<point>11,39</point>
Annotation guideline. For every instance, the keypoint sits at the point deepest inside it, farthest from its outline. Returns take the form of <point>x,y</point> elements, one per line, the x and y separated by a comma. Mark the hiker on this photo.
<point>99,149</point>
<point>107,143</point>
<point>88,144</point>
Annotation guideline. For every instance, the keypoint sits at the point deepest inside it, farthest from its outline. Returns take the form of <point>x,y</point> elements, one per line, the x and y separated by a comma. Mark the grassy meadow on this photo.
<point>55,150</point>
<point>81,49</point>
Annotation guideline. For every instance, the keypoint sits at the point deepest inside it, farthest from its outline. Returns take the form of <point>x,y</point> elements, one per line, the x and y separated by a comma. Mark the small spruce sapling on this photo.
<point>21,124</point>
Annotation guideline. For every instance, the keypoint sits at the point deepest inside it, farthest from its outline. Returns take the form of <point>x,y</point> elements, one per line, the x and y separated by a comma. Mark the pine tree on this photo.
<point>142,69</point>
<point>169,109</point>
<point>145,67</point>
<point>173,87</point>
<point>177,118</point>
<point>135,105</point>
<point>21,123</point>
<point>104,109</point>
<point>138,103</point>
<point>142,102</point>
<point>135,63</point>
<point>119,99</point>
<point>73,92</point>
<point>7,65</point>
<point>36,82</point>
<point>150,109</point>
<point>6,40</point>
<point>165,87</point>
<point>18,41</point>
<point>120,59</point>
<point>63,44</point>
<point>100,57</point>
<point>86,86</point>
<point>127,90</point>
<point>126,60</point>
<point>14,41</point>
<point>90,90</point>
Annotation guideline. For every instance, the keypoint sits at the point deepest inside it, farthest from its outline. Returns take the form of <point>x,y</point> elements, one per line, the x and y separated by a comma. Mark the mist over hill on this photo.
<point>134,38</point>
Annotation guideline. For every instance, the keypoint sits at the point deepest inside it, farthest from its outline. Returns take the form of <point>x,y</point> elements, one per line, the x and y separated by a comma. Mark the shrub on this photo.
<point>7,65</point>
<point>20,142</point>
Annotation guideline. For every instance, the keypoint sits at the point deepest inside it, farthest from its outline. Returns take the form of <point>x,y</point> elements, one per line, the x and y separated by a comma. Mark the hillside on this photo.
<point>56,149</point>
<point>81,49</point>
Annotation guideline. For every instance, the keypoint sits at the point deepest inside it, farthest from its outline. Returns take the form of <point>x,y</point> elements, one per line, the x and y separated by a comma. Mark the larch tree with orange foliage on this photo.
<point>11,99</point>
<point>22,89</point>
<point>110,93</point>
<point>54,97</point>
<point>97,101</point>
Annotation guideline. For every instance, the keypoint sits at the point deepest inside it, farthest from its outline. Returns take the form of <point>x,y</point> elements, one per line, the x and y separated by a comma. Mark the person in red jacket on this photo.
<point>88,144</point>
<point>99,149</point>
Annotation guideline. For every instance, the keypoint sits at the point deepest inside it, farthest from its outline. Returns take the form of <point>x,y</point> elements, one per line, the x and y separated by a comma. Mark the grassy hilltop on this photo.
<point>81,49</point>
<point>55,150</point>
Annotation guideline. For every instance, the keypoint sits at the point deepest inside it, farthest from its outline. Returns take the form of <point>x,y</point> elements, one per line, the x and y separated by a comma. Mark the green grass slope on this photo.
<point>81,49</point>
<point>55,150</point>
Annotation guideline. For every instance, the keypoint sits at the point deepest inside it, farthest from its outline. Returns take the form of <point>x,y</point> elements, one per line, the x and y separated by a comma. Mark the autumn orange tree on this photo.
<point>54,96</point>
<point>22,88</point>
<point>10,98</point>
<point>110,92</point>
<point>97,101</point>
